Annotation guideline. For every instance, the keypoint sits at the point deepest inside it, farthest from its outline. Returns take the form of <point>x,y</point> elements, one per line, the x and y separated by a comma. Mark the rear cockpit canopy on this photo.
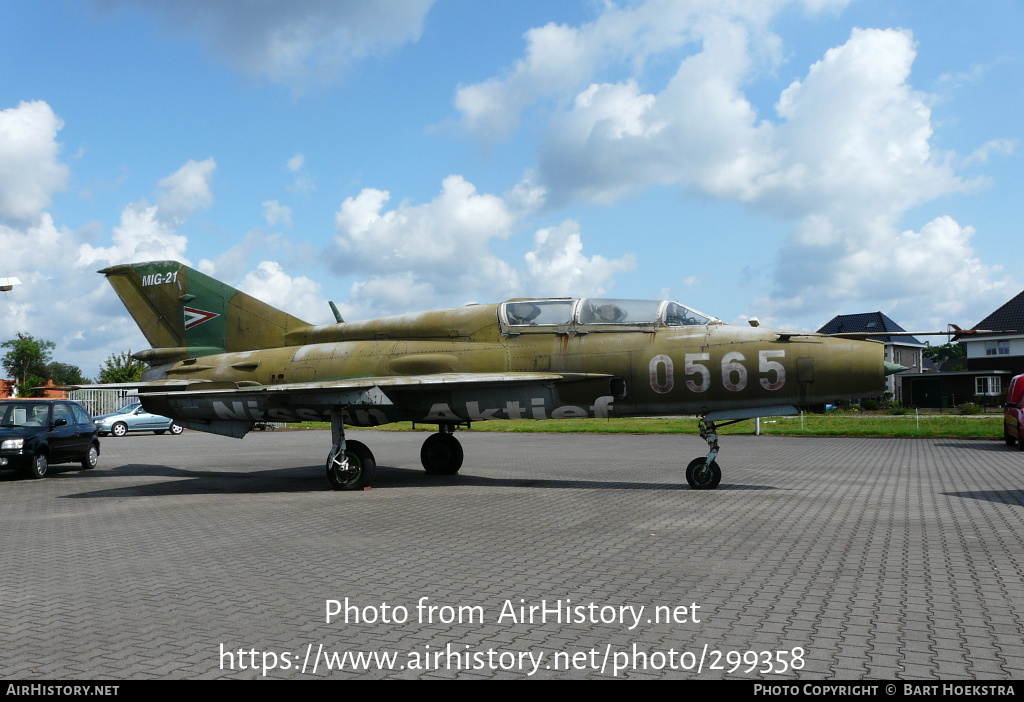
<point>596,314</point>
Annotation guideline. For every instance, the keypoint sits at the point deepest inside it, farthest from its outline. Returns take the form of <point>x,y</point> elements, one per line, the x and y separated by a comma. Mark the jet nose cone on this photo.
<point>891,368</point>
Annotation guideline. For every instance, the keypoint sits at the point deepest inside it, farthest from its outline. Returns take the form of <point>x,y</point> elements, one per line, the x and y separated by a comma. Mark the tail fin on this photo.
<point>185,314</point>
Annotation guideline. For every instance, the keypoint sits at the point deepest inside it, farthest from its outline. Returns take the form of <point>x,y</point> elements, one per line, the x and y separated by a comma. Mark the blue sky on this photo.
<point>789,160</point>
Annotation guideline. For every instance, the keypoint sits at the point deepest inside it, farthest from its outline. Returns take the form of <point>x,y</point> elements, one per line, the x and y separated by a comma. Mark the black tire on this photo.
<point>362,468</point>
<point>119,429</point>
<point>441,454</point>
<point>92,457</point>
<point>175,429</point>
<point>700,476</point>
<point>39,466</point>
<point>1008,437</point>
<point>1020,437</point>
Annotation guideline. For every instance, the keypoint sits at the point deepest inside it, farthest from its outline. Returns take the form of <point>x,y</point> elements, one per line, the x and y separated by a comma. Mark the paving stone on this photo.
<point>879,558</point>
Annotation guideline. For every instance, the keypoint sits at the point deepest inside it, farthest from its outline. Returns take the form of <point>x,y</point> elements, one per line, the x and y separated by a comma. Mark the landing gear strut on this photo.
<point>442,453</point>
<point>350,464</point>
<point>703,473</point>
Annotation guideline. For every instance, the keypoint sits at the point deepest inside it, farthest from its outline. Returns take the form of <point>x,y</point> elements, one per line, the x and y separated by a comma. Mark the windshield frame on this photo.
<point>576,325</point>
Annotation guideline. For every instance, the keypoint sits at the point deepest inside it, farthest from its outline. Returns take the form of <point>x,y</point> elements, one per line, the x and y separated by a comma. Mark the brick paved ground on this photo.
<point>879,558</point>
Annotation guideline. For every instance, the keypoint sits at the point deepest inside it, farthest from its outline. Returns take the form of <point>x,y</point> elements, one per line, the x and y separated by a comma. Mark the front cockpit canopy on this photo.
<point>596,314</point>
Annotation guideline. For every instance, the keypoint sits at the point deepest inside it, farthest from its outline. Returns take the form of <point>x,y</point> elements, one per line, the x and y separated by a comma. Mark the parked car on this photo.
<point>35,434</point>
<point>1013,413</point>
<point>134,418</point>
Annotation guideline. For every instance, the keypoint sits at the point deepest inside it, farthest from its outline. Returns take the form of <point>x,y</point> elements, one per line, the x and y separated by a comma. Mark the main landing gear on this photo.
<point>442,453</point>
<point>350,464</point>
<point>703,473</point>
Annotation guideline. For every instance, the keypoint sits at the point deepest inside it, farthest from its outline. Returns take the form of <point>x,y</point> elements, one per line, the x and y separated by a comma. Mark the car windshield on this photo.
<point>24,414</point>
<point>127,410</point>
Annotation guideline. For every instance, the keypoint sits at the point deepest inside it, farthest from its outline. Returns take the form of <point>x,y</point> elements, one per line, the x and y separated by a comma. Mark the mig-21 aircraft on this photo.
<point>222,361</point>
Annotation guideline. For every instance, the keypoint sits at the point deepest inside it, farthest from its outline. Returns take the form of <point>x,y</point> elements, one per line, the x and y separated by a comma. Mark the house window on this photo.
<point>997,348</point>
<point>987,385</point>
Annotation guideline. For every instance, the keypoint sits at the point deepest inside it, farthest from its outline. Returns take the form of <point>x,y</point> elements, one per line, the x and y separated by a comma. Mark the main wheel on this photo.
<point>175,429</point>
<point>39,466</point>
<point>441,454</point>
<point>361,470</point>
<point>701,476</point>
<point>119,429</point>
<point>92,458</point>
<point>1008,437</point>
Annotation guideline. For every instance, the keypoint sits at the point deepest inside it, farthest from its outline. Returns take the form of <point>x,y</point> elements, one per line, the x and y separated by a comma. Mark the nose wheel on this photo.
<point>704,473</point>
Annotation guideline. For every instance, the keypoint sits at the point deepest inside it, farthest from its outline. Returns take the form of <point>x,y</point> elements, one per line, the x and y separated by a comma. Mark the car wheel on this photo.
<point>175,429</point>
<point>119,429</point>
<point>92,457</point>
<point>39,465</point>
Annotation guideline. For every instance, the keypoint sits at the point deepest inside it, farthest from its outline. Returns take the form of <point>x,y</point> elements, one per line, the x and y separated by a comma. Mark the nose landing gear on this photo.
<point>703,473</point>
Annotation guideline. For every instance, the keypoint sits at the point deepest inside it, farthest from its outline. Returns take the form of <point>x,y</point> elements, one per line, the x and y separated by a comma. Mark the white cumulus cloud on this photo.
<point>446,241</point>
<point>557,266</point>
<point>845,156</point>
<point>30,172</point>
<point>297,295</point>
<point>438,254</point>
<point>150,232</point>
<point>187,190</point>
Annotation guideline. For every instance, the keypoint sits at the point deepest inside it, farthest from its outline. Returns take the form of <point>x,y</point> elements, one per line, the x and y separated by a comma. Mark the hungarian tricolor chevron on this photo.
<point>194,317</point>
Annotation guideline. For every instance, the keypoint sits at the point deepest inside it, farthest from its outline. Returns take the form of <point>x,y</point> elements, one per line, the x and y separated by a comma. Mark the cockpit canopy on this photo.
<point>597,314</point>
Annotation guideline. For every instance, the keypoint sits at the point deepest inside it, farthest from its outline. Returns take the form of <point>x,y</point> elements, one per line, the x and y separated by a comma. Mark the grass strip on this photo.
<point>925,425</point>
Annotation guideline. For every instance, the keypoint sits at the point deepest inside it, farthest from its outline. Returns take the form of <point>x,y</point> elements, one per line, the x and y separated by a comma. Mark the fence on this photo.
<point>99,402</point>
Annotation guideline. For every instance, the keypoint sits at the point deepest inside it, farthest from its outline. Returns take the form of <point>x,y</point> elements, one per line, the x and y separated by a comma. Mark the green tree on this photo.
<point>26,360</point>
<point>66,374</point>
<point>941,354</point>
<point>121,368</point>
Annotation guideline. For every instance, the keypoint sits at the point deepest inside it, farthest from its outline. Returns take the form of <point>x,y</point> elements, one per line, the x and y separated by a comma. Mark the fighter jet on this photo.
<point>221,361</point>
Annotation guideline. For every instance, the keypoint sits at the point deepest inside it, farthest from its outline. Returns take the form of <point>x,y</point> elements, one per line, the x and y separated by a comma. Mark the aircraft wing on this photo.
<point>232,408</point>
<point>200,388</point>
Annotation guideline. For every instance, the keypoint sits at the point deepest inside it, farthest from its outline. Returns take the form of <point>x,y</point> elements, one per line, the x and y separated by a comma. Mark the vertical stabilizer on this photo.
<point>185,313</point>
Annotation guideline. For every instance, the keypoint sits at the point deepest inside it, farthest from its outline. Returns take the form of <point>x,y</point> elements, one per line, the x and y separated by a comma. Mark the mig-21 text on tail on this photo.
<point>221,361</point>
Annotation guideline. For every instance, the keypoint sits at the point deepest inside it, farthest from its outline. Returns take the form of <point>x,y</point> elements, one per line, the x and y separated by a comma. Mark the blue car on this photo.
<point>134,418</point>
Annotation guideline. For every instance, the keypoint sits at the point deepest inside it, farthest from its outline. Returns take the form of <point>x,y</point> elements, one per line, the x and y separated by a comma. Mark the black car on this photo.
<point>37,433</point>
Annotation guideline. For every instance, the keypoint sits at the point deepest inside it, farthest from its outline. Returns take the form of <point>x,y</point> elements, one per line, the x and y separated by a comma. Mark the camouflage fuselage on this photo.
<point>666,370</point>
